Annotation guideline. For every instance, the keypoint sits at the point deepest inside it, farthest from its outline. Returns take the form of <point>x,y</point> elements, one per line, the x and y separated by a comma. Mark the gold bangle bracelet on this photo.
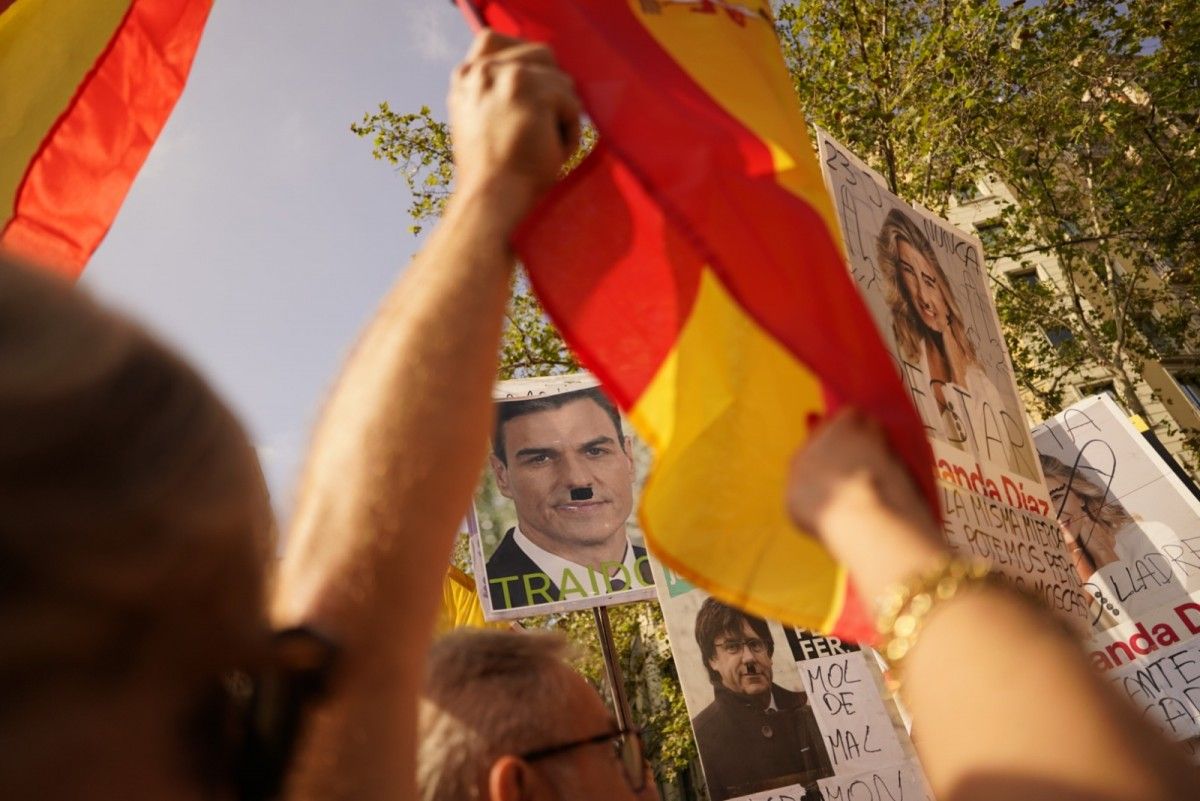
<point>904,607</point>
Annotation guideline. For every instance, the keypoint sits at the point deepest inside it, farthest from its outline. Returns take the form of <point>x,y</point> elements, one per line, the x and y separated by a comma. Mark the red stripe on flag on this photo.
<point>629,292</point>
<point>855,621</point>
<point>79,176</point>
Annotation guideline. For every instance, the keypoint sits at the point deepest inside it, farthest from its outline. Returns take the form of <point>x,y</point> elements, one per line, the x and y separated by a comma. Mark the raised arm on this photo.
<point>1004,703</point>
<point>401,441</point>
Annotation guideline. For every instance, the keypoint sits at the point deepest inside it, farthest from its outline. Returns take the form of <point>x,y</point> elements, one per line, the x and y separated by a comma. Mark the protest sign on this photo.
<point>1133,532</point>
<point>1130,525</point>
<point>1165,685</point>
<point>900,782</point>
<point>555,503</point>
<point>782,713</point>
<point>925,284</point>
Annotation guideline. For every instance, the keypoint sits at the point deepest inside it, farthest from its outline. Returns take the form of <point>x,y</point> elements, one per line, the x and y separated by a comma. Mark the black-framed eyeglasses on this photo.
<point>734,647</point>
<point>627,746</point>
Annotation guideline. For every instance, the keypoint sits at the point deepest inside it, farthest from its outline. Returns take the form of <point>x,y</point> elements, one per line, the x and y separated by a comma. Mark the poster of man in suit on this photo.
<point>554,510</point>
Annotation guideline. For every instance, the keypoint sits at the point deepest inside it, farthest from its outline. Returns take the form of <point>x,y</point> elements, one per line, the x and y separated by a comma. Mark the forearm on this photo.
<point>1026,712</point>
<point>402,438</point>
<point>393,464</point>
<point>1001,695</point>
<point>1004,703</point>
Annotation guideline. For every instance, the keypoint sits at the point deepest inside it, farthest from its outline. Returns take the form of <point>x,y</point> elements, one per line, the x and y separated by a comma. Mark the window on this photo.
<point>1162,265</point>
<point>1027,277</point>
<point>1058,335</point>
<point>967,192</point>
<point>1070,228</point>
<point>1190,384</point>
<point>990,235</point>
<point>1151,325</point>
<point>1096,388</point>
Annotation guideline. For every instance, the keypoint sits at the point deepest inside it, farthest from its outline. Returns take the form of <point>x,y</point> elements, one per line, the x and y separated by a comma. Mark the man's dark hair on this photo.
<point>715,619</point>
<point>509,409</point>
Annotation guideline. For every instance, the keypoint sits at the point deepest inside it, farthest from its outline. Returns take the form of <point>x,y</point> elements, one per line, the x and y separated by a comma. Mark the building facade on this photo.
<point>1165,373</point>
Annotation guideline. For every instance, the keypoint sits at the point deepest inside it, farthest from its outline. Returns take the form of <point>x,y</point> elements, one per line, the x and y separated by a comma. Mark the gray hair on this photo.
<point>487,693</point>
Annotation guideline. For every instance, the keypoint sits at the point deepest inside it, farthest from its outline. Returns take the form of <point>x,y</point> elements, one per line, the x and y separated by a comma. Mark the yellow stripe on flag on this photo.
<point>59,39</point>
<point>741,386</point>
<point>763,100</point>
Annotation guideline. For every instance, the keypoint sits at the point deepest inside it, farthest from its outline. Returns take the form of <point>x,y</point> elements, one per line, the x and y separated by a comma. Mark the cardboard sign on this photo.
<point>1133,534</point>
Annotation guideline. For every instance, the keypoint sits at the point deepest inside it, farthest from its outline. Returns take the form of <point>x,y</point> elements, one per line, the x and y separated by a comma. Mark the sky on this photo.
<point>261,234</point>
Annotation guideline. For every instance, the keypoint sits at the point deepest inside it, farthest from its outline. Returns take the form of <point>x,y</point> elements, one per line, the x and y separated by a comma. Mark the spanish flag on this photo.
<point>85,88</point>
<point>692,262</point>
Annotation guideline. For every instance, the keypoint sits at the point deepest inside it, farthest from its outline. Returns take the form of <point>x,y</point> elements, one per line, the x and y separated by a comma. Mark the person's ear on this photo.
<point>628,448</point>
<point>500,471</point>
<point>511,779</point>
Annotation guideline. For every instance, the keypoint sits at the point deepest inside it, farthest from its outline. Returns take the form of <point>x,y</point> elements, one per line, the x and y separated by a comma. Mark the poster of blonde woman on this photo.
<point>1131,527</point>
<point>925,284</point>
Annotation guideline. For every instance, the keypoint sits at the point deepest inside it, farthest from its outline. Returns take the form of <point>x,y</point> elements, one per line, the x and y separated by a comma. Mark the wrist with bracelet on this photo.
<point>905,607</point>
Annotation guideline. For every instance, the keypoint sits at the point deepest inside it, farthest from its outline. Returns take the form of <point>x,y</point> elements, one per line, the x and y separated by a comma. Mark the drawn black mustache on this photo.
<point>581,493</point>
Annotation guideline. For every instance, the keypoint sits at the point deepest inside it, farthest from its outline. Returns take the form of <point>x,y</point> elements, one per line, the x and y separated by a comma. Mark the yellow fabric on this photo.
<point>685,414</point>
<point>764,102</point>
<point>47,48</point>
<point>460,603</point>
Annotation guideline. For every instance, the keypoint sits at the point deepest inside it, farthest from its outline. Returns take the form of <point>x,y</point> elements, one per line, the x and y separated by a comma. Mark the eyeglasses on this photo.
<point>734,647</point>
<point>626,744</point>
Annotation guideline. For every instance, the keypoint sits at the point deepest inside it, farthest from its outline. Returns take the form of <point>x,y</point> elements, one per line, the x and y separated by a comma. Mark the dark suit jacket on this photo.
<point>509,560</point>
<point>744,749</point>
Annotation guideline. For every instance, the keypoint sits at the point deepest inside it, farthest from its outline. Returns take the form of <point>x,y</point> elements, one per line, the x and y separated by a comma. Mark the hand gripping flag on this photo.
<point>692,262</point>
<point>85,88</point>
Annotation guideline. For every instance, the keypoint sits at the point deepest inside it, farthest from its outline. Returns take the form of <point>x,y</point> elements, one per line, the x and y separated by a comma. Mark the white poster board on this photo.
<point>1133,531</point>
<point>782,713</point>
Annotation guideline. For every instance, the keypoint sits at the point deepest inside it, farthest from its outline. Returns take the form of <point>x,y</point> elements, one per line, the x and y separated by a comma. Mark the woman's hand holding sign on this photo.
<point>850,491</point>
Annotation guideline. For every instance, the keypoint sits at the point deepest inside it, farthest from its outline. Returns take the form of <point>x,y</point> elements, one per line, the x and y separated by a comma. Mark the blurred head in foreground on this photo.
<point>134,532</point>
